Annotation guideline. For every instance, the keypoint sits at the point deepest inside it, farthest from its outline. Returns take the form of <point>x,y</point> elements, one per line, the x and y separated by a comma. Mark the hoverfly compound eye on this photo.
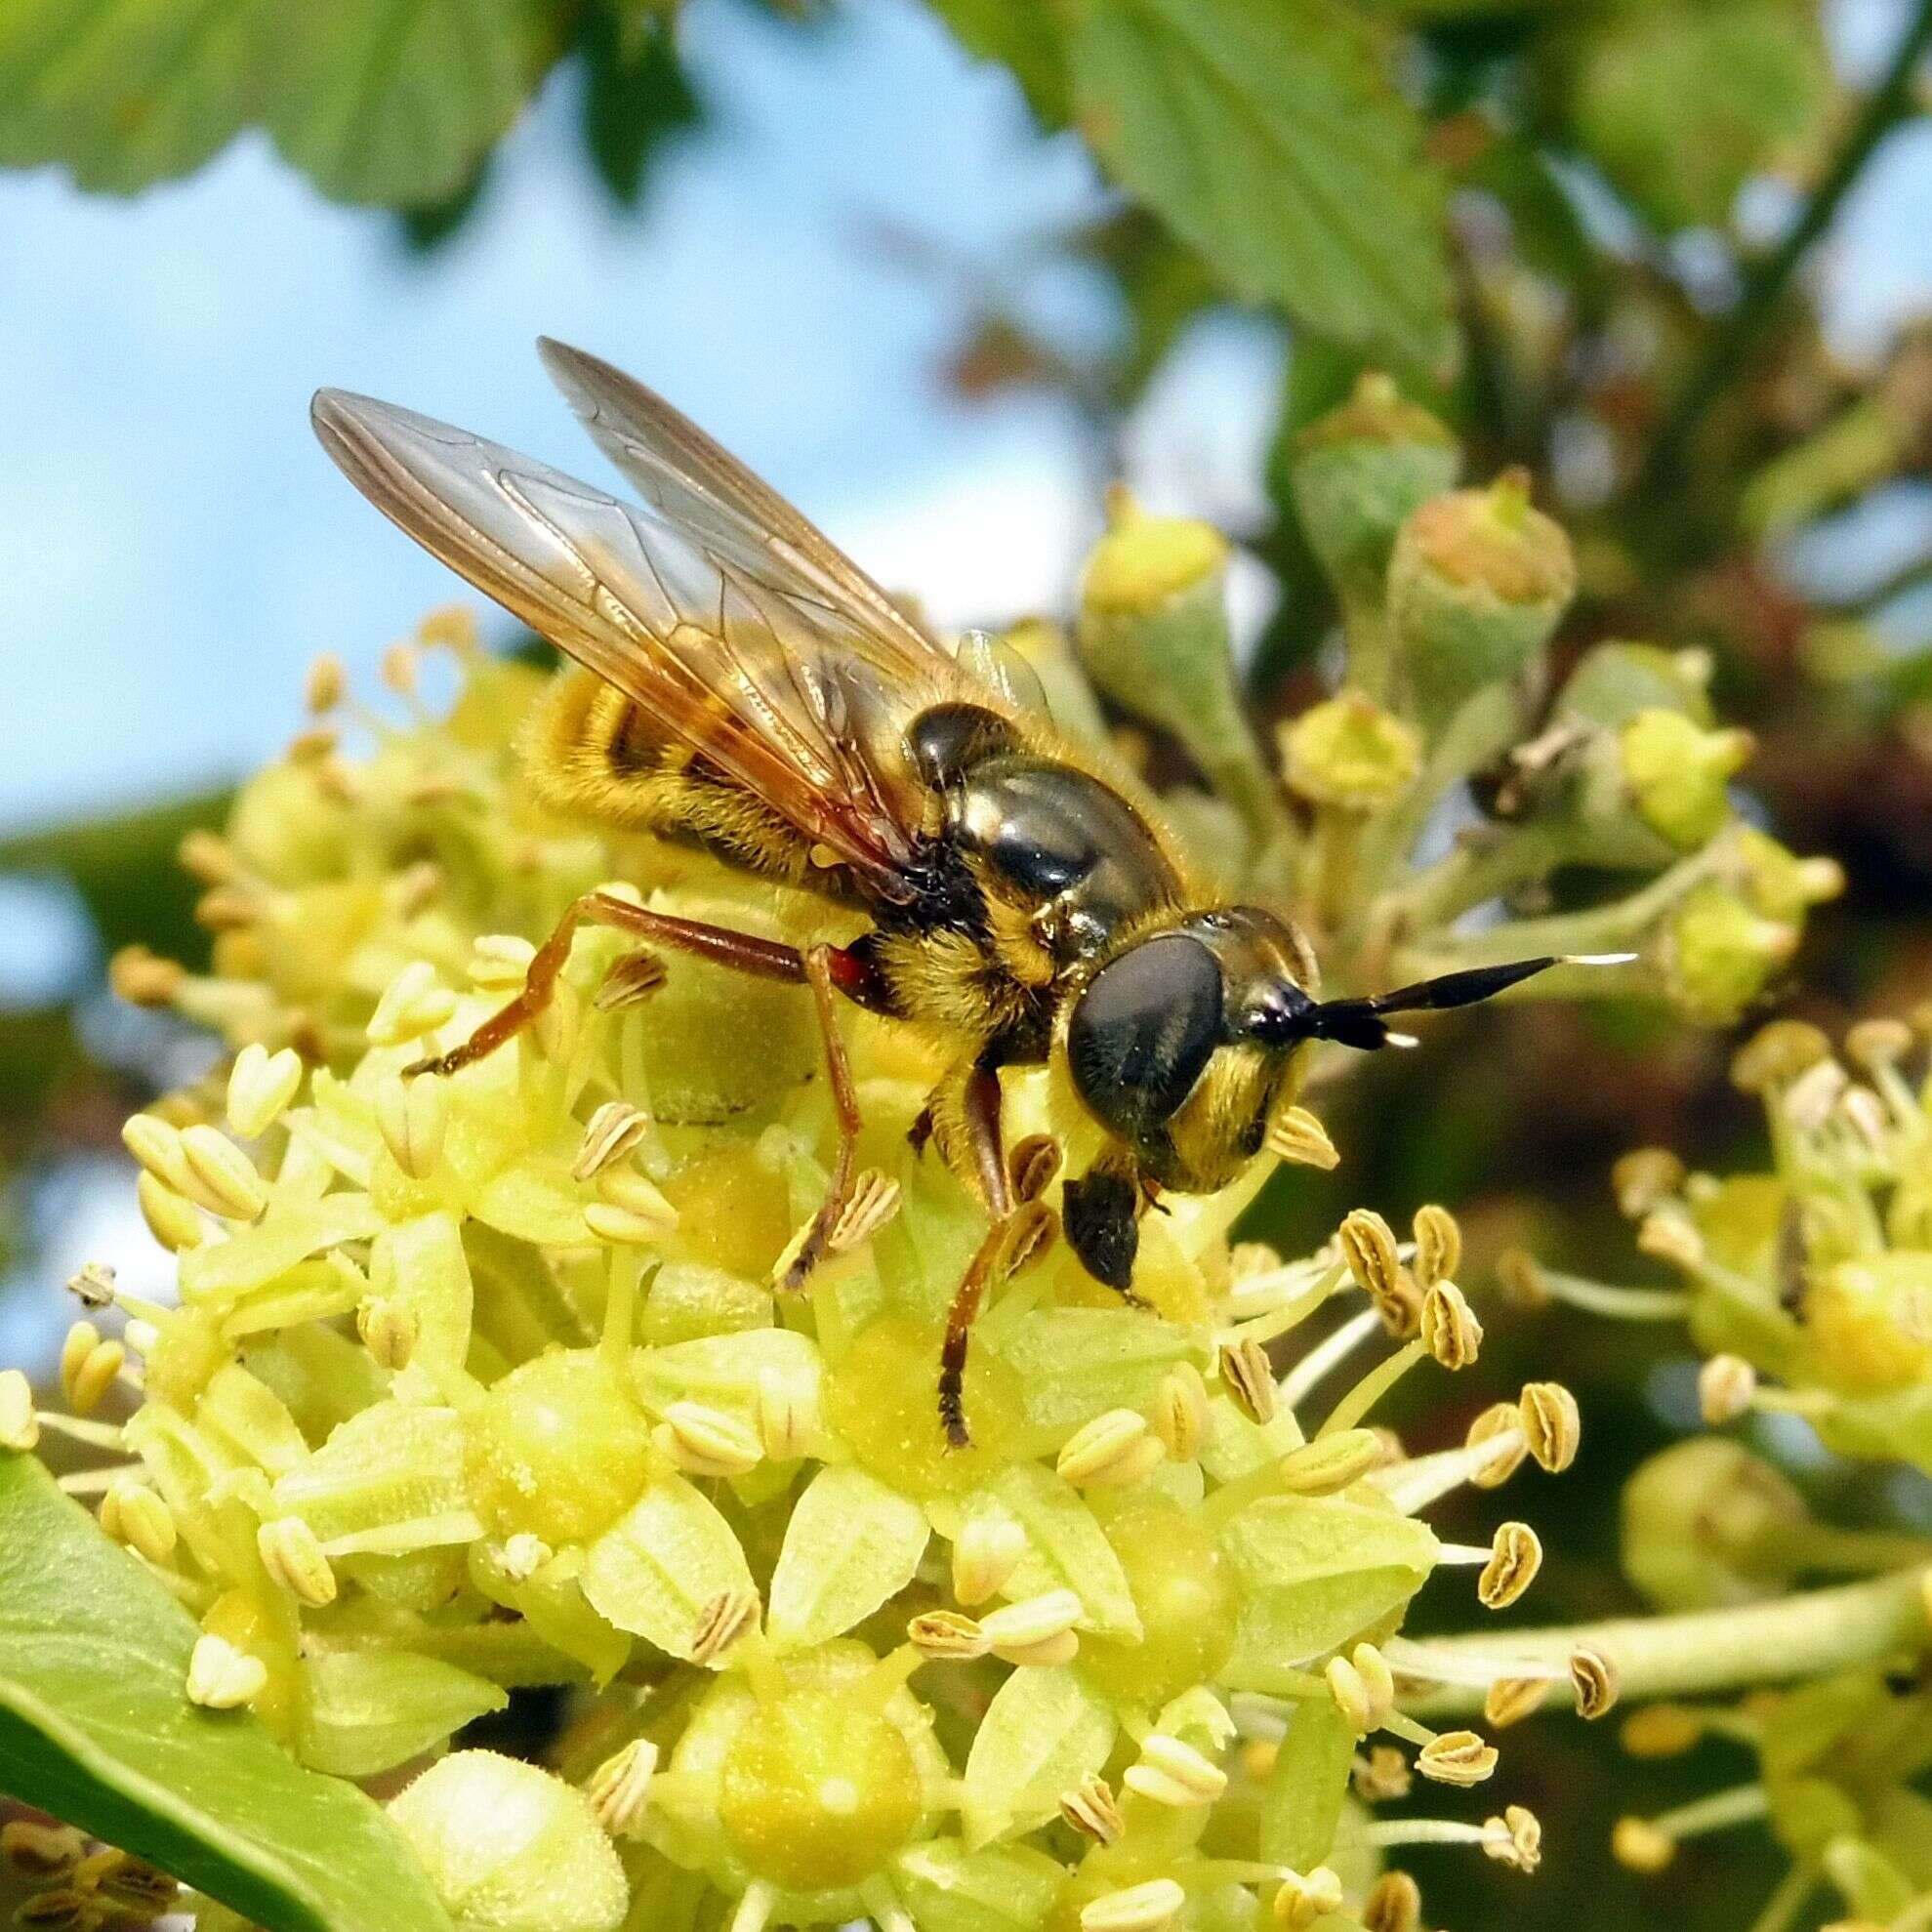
<point>1142,1031</point>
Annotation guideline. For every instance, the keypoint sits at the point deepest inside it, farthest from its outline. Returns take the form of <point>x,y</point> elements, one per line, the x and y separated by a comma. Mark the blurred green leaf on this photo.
<point>95,1728</point>
<point>123,866</point>
<point>635,98</point>
<point>1264,134</point>
<point>1024,36</point>
<point>124,92</point>
<point>426,228</point>
<point>1680,105</point>
<point>396,101</point>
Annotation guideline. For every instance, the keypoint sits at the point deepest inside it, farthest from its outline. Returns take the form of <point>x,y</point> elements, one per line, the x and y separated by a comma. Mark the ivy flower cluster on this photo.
<point>483,1383</point>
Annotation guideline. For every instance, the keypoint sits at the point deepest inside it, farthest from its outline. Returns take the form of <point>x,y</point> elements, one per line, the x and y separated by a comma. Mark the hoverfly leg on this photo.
<point>820,969</point>
<point>1021,1231</point>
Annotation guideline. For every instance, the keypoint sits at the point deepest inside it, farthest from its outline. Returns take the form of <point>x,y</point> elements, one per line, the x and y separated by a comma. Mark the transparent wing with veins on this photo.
<point>764,648</point>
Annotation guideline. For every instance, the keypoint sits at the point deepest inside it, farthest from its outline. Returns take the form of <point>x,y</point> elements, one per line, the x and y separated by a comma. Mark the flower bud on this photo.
<point>1476,584</point>
<point>1349,753</point>
<point>1154,637</point>
<point>1358,472</point>
<point>1718,953</point>
<point>1677,774</point>
<point>505,1844</point>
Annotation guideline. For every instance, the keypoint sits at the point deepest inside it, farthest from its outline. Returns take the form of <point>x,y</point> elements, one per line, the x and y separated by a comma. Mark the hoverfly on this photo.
<point>741,685</point>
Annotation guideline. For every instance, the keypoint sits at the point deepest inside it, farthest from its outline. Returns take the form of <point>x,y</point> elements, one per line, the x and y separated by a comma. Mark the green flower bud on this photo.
<point>1677,774</point>
<point>1613,683</point>
<point>511,1848</point>
<point>1778,883</point>
<point>1154,637</point>
<point>1358,471</point>
<point>1476,584</point>
<point>1349,752</point>
<point>1706,1522</point>
<point>1719,952</point>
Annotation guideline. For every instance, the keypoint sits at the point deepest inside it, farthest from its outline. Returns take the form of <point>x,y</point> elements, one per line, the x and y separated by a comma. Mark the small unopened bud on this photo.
<point>500,961</point>
<point>619,1789</point>
<point>1593,1678</point>
<point>412,1004</point>
<point>704,1441</point>
<point>1091,1810</point>
<point>1306,1898</point>
<point>229,1184</point>
<point>1170,1771</point>
<point>1450,1331</point>
<point>1248,1378</point>
<point>1363,1687</point>
<point>41,1851</point>
<point>1644,1177</point>
<point>985,1554</point>
<point>720,1623</point>
<point>1515,1557</point>
<point>1296,1137</point>
<point>523,1555</point>
<point>1147,1908</point>
<point>630,981</point>
<point>1438,1246</point>
<point>261,1085</point>
<point>222,1677</point>
<point>292,1554</point>
<point>88,1366</point>
<point>612,1134</point>
<point>1331,1463</point>
<point>1516,1838</point>
<point>412,1117</point>
<point>1678,773</point>
<point>1551,1426</point>
<point>1500,1419</point>
<point>171,1217</point>
<point>1394,1905</point>
<point>1725,1386</point>
<point>1180,1411</point>
<point>143,978</point>
<point>1456,1757</point>
<point>1638,1845</point>
<point>1036,1629</point>
<point>133,1514</point>
<point>1510,1699</point>
<point>20,1426</point>
<point>948,1636</point>
<point>1111,1450</point>
<point>874,1201</point>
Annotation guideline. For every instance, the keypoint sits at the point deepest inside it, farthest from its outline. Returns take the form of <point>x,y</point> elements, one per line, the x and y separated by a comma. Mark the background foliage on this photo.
<point>1589,235</point>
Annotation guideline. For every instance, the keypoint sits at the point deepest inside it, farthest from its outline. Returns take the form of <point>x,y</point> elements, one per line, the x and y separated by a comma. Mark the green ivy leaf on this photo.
<point>396,101</point>
<point>93,1726</point>
<point>124,92</point>
<point>636,98</point>
<point>1264,133</point>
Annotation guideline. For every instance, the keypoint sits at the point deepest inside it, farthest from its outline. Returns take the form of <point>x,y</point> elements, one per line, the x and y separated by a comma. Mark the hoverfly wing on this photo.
<point>694,484</point>
<point>780,691</point>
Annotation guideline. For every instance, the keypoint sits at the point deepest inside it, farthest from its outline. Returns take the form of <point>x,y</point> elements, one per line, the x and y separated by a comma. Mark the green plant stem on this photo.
<point>1803,1635</point>
<point>1726,355</point>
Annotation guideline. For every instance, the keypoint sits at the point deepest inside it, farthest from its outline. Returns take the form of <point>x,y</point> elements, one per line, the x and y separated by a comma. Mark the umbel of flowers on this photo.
<point>482,1383</point>
<point>1807,1289</point>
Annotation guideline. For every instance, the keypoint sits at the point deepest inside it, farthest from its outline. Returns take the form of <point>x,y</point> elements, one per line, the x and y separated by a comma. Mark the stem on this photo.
<point>1708,1650</point>
<point>1888,104</point>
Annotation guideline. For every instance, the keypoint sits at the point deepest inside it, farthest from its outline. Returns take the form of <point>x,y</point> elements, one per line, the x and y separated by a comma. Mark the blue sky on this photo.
<point>175,547</point>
